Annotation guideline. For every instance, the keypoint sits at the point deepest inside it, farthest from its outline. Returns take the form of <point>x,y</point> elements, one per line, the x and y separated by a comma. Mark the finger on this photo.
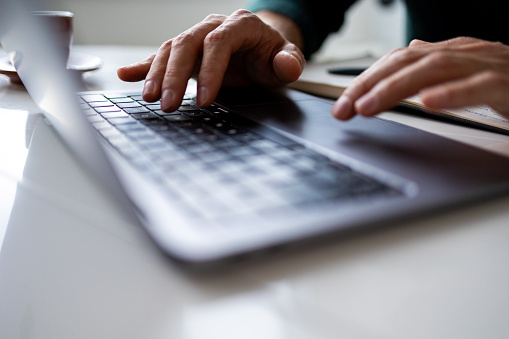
<point>343,108</point>
<point>217,51</point>
<point>137,71</point>
<point>380,70</point>
<point>155,76</point>
<point>185,51</point>
<point>489,88</point>
<point>430,70</point>
<point>245,34</point>
<point>388,65</point>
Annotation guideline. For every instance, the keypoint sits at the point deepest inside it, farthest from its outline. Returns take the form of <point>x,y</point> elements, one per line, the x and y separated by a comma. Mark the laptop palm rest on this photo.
<point>438,165</point>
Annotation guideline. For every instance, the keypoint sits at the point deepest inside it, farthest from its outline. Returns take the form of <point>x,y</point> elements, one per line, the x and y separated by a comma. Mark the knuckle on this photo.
<point>465,40</point>
<point>243,17</point>
<point>215,18</point>
<point>215,37</point>
<point>477,45</point>
<point>416,42</point>
<point>397,51</point>
<point>402,55</point>
<point>167,44</point>
<point>183,39</point>
<point>499,46</point>
<point>439,59</point>
<point>495,79</point>
<point>243,13</point>
<point>486,45</point>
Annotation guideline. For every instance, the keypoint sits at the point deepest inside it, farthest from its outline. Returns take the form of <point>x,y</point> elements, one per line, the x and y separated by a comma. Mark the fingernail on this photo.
<point>149,87</point>
<point>167,99</point>
<point>366,105</point>
<point>342,108</point>
<point>201,96</point>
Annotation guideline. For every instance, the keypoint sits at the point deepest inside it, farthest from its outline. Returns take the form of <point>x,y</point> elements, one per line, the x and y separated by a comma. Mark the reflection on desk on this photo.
<point>72,266</point>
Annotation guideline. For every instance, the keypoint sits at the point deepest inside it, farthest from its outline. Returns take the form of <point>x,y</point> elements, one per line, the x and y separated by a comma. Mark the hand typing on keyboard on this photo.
<point>264,49</point>
<point>239,49</point>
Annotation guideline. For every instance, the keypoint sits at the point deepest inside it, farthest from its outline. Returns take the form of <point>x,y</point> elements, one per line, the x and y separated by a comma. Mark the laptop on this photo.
<point>258,170</point>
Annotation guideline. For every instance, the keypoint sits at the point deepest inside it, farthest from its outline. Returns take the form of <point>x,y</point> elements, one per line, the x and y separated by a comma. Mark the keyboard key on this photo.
<point>176,118</point>
<point>93,97</point>
<point>130,126</point>
<point>104,103</point>
<point>107,109</point>
<point>131,104</point>
<point>161,113</point>
<point>193,113</point>
<point>136,110</point>
<point>153,107</point>
<point>112,115</point>
<point>120,121</point>
<point>121,100</point>
<point>95,118</point>
<point>145,116</point>
<point>136,97</point>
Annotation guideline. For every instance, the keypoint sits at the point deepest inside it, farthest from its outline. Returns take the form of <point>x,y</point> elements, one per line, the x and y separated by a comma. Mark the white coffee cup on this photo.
<point>60,24</point>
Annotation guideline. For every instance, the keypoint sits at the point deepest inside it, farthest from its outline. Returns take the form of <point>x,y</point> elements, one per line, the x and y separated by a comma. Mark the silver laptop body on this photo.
<point>257,170</point>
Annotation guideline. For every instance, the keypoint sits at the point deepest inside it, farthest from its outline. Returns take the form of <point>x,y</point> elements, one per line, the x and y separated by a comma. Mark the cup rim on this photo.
<point>54,13</point>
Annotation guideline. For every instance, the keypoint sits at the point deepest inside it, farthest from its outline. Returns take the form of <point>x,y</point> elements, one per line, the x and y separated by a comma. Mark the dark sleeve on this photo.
<point>315,18</point>
<point>436,20</point>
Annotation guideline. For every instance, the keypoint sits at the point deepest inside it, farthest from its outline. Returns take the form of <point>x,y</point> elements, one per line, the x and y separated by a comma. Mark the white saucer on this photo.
<point>78,62</point>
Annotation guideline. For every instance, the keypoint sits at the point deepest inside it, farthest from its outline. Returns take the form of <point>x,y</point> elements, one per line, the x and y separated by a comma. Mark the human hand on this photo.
<point>234,50</point>
<point>450,74</point>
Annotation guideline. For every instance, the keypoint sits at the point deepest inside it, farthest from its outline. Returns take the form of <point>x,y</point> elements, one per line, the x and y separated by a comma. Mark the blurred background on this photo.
<point>378,24</point>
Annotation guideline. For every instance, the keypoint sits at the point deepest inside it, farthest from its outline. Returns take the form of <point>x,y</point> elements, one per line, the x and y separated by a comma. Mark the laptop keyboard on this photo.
<point>215,164</point>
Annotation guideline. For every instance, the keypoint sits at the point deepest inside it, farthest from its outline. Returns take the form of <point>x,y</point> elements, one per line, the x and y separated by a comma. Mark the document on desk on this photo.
<point>318,81</point>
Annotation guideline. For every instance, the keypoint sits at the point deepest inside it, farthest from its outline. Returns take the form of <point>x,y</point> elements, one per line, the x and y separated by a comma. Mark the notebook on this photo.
<point>258,170</point>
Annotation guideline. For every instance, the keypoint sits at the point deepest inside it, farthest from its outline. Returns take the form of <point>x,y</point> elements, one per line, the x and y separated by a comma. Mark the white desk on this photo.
<point>72,266</point>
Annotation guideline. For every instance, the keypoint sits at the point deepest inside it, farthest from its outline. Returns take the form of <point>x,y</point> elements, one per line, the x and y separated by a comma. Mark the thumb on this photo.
<point>288,65</point>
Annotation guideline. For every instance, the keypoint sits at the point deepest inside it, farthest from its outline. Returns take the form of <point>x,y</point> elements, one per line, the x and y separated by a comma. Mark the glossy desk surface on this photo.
<point>72,266</point>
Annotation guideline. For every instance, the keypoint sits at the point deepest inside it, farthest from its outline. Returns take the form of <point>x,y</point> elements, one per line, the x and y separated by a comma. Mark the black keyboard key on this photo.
<point>162,113</point>
<point>176,118</point>
<point>153,107</point>
<point>145,116</point>
<point>131,126</point>
<point>137,97</point>
<point>194,113</point>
